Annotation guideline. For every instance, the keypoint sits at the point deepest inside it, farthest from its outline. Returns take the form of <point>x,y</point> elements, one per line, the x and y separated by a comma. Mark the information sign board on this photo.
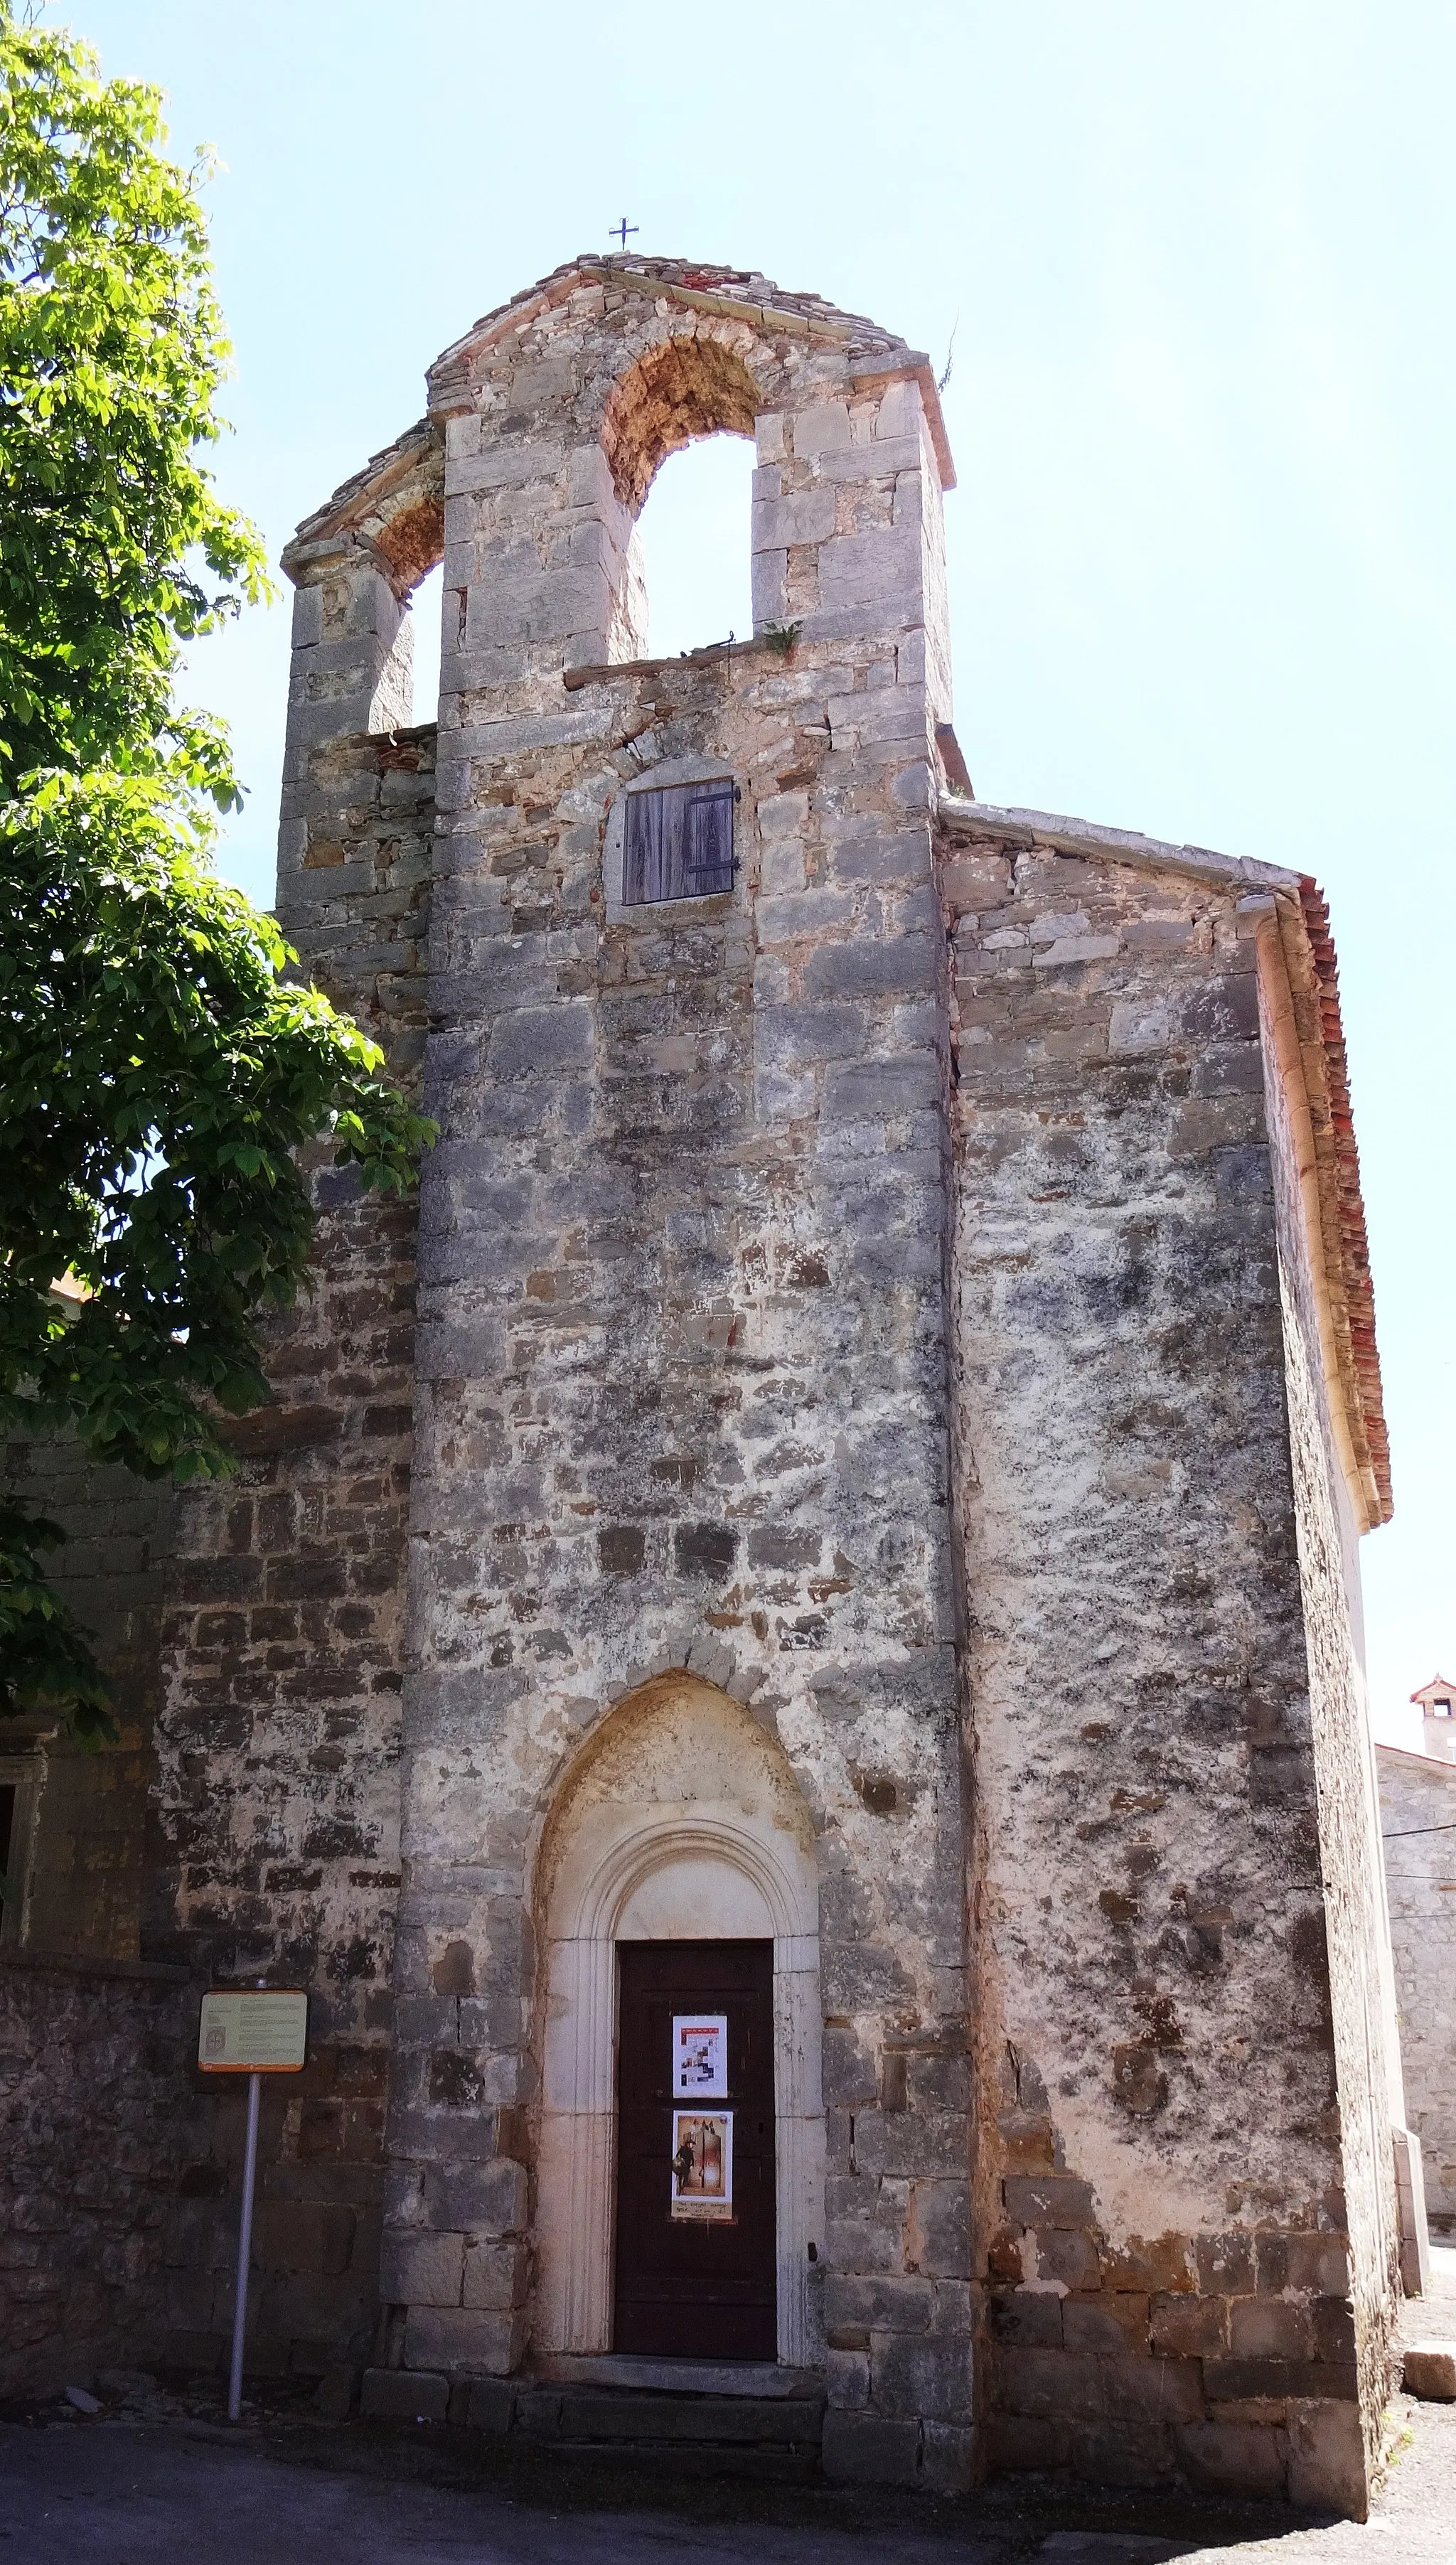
<point>247,2031</point>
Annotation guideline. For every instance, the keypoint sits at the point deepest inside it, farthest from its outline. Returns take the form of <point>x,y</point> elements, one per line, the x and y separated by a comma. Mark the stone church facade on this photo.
<point>856,1457</point>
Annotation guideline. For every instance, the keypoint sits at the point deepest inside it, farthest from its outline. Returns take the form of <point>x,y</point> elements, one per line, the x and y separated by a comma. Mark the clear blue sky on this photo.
<point>1202,570</point>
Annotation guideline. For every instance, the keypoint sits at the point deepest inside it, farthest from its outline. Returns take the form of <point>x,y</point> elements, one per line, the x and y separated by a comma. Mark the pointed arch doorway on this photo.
<point>678,1859</point>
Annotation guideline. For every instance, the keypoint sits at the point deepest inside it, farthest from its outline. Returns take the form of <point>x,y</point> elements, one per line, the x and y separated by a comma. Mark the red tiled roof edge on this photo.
<point>1340,1167</point>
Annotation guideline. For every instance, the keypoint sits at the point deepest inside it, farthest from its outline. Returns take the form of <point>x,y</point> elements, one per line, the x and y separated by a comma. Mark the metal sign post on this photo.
<point>245,2247</point>
<point>254,2031</point>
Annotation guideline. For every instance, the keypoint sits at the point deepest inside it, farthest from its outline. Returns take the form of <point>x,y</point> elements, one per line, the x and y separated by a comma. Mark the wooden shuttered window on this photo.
<point>679,843</point>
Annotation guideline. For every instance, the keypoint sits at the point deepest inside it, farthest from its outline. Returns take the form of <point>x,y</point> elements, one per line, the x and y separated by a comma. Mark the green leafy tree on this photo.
<point>158,1072</point>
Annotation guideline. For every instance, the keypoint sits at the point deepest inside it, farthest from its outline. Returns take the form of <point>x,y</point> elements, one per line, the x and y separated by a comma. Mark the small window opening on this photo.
<point>679,843</point>
<point>694,540</point>
<point>425,607</point>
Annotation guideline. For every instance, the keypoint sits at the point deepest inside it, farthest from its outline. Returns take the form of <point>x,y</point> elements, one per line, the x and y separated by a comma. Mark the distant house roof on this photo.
<point>1415,1759</point>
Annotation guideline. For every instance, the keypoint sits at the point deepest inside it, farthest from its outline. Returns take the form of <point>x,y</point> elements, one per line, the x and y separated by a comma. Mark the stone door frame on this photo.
<point>742,1887</point>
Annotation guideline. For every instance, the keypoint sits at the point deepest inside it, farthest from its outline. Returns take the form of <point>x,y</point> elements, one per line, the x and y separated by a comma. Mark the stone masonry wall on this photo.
<point>96,2125</point>
<point>863,1287</point>
<point>1162,2235</point>
<point>1418,1818</point>
<point>1349,1857</point>
<point>247,1823</point>
<point>85,1861</point>
<point>682,1381</point>
<point>120,2177</point>
<point>278,1744</point>
<point>681,1331</point>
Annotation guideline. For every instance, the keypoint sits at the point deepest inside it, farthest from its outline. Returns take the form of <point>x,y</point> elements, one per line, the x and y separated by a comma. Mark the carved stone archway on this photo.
<point>682,1820</point>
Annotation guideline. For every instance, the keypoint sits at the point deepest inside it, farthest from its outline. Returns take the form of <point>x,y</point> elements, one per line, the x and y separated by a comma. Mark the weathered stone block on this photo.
<point>1020,2443</point>
<point>1030,2319</point>
<point>494,2273</point>
<point>1114,2321</point>
<point>807,517</point>
<point>1236,2380</point>
<point>1158,2390</point>
<point>863,2449</point>
<point>491,2405</point>
<point>466,2338</point>
<point>1067,2258</point>
<point>420,2269</point>
<point>1049,2200</point>
<point>405,2396</point>
<point>1430,2370</point>
<point>899,2303</point>
<point>938,2230</point>
<point>1044,2383</point>
<point>846,2375</point>
<point>929,2376</point>
<point>1328,2463</point>
<point>1233,2457</point>
<point>1188,2326</point>
<point>1269,2329</point>
<point>306,2235</point>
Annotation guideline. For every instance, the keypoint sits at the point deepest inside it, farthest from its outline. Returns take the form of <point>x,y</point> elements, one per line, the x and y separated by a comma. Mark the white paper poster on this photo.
<point>700,2057</point>
<point>702,2163</point>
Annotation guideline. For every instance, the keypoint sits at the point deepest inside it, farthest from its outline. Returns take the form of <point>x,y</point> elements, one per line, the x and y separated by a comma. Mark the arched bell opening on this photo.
<point>690,405</point>
<point>409,688</point>
<point>694,546</point>
<point>380,589</point>
<point>687,388</point>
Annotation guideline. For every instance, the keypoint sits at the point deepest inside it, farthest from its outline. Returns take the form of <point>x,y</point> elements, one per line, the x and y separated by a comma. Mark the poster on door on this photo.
<point>702,2163</point>
<point>700,2057</point>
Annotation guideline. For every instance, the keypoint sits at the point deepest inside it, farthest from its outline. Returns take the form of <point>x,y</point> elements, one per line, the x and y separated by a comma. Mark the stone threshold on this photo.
<point>757,2378</point>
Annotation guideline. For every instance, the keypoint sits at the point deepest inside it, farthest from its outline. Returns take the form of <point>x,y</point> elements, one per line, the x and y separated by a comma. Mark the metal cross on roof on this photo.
<point>620,231</point>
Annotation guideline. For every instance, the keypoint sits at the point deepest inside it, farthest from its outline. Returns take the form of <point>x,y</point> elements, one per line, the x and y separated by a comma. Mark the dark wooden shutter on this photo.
<point>708,838</point>
<point>646,830</point>
<point>679,843</point>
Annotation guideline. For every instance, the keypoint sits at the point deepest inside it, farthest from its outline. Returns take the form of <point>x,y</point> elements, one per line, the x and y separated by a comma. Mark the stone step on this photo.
<point>764,2435</point>
<point>755,2463</point>
<point>773,2436</point>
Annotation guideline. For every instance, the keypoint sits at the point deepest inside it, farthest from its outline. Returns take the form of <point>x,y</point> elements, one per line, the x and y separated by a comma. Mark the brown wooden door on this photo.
<point>700,2286</point>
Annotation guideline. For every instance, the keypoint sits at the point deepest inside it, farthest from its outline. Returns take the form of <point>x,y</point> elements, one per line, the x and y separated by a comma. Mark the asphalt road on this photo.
<point>112,2494</point>
<point>151,2484</point>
